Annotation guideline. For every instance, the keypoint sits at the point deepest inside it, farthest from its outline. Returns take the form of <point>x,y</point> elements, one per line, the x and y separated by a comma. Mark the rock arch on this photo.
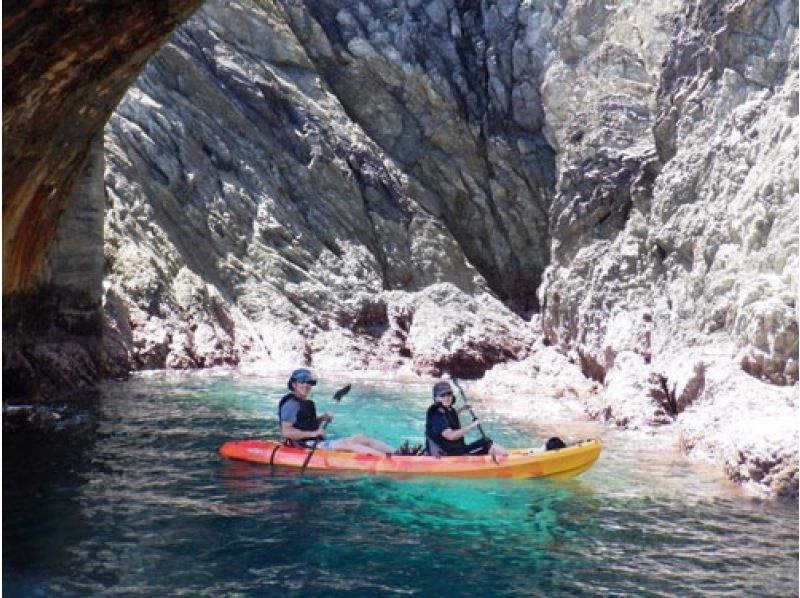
<point>65,67</point>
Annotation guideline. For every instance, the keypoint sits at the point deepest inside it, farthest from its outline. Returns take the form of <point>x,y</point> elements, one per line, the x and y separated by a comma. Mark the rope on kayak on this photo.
<point>272,456</point>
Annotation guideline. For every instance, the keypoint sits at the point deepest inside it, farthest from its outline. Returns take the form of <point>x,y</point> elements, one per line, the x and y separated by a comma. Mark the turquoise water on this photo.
<point>129,497</point>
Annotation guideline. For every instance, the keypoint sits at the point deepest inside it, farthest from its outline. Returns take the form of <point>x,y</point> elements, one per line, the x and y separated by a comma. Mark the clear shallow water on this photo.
<point>131,498</point>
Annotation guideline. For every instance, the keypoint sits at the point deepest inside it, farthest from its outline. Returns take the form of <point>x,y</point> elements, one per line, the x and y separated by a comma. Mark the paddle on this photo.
<point>337,397</point>
<point>469,407</point>
<point>472,413</point>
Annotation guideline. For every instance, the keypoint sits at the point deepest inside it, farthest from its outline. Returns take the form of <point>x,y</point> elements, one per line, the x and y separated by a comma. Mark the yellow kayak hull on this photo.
<point>520,463</point>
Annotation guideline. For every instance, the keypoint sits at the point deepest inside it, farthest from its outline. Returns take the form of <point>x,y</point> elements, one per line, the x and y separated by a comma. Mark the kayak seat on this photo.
<point>433,449</point>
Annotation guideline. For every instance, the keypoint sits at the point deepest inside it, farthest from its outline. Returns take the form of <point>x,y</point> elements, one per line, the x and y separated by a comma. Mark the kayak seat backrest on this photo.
<point>433,449</point>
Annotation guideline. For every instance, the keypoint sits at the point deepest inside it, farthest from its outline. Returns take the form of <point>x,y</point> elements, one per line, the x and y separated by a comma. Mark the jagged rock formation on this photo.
<point>675,222</point>
<point>289,196</point>
<point>690,224</point>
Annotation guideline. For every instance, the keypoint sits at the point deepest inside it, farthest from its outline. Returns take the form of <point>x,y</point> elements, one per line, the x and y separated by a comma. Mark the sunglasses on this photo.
<point>447,394</point>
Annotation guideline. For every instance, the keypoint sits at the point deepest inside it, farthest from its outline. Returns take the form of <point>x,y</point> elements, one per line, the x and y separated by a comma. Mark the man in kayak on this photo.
<point>301,427</point>
<point>443,429</point>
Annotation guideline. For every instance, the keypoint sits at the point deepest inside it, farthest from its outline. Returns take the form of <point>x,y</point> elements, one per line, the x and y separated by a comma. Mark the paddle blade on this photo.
<point>341,392</point>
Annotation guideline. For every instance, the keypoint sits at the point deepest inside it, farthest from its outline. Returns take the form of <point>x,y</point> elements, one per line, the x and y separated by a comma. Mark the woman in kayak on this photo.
<point>443,429</point>
<point>301,427</point>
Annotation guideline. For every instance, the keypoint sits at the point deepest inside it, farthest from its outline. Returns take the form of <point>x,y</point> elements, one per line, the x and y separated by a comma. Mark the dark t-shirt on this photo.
<point>439,422</point>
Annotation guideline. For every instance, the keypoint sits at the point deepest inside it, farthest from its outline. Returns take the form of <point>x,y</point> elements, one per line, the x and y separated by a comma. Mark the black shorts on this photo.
<point>306,443</point>
<point>479,447</point>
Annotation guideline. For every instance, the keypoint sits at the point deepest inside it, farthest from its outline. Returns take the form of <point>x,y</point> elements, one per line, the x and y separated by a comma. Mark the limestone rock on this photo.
<point>667,212</point>
<point>675,216</point>
<point>65,68</point>
<point>626,400</point>
<point>643,226</point>
<point>544,387</point>
<point>307,209</point>
<point>748,426</point>
<point>465,336</point>
<point>47,122</point>
<point>435,331</point>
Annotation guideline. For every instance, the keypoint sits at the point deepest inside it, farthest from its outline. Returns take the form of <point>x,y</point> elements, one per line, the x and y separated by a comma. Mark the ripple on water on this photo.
<point>139,503</point>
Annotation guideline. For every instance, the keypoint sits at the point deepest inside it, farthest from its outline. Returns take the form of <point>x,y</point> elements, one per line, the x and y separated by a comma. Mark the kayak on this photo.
<point>520,463</point>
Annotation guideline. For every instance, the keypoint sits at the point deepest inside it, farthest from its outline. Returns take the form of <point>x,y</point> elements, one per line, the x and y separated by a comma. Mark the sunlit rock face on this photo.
<point>449,91</point>
<point>275,164</point>
<point>276,160</point>
<point>675,223</point>
<point>65,67</point>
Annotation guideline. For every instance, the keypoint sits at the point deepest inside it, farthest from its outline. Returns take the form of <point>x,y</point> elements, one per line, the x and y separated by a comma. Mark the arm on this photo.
<point>290,432</point>
<point>451,434</point>
<point>325,417</point>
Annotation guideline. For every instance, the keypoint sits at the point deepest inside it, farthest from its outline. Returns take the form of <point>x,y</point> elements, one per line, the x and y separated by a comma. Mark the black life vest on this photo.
<point>306,418</point>
<point>436,438</point>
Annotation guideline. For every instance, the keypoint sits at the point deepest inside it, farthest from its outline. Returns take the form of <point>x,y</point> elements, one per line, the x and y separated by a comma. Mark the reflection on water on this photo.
<point>138,502</point>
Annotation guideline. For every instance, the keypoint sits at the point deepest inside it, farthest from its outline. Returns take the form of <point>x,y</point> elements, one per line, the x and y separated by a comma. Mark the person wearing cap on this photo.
<point>301,427</point>
<point>443,431</point>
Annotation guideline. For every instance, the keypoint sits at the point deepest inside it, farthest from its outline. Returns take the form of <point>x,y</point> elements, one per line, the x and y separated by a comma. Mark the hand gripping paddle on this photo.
<point>469,407</point>
<point>472,413</point>
<point>337,397</point>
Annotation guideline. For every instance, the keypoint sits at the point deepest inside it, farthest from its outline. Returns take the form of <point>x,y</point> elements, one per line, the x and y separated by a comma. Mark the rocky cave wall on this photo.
<point>277,181</point>
<point>282,173</point>
<point>66,65</point>
<point>675,222</point>
<point>366,185</point>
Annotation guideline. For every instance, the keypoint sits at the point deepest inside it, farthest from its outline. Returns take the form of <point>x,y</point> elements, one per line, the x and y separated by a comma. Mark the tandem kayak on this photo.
<point>520,463</point>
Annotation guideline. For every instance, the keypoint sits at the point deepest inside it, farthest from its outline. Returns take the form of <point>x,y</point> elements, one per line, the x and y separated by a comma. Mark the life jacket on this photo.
<point>306,419</point>
<point>436,444</point>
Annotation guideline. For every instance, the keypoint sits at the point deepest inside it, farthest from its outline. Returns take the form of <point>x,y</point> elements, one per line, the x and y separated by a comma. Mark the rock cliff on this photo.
<point>674,270</point>
<point>264,181</point>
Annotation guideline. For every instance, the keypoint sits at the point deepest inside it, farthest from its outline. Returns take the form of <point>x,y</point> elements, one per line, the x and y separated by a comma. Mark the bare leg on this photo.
<point>372,443</point>
<point>353,445</point>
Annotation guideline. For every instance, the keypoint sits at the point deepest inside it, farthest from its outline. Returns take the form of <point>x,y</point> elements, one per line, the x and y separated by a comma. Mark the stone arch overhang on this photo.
<point>66,65</point>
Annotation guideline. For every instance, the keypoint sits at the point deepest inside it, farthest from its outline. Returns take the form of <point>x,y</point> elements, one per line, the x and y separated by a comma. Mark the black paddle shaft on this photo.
<point>337,398</point>
<point>469,407</point>
<point>474,417</point>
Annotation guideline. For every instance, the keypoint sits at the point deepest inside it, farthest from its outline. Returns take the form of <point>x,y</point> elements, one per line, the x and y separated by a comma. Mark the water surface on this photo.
<point>129,497</point>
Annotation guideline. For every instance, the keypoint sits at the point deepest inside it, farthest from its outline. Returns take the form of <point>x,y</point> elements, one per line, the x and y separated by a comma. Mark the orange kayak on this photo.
<point>520,463</point>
